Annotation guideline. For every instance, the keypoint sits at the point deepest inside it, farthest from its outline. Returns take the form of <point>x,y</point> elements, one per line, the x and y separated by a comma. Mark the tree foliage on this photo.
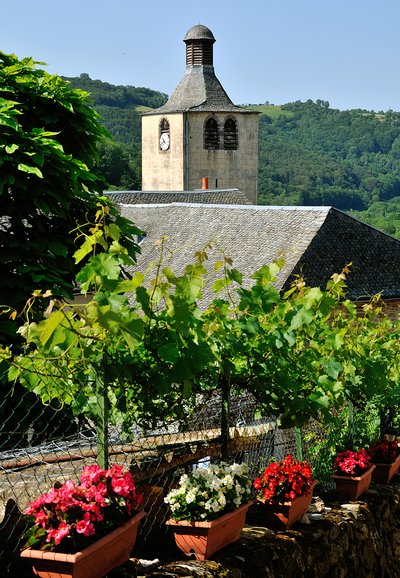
<point>302,354</point>
<point>49,183</point>
<point>48,150</point>
<point>317,155</point>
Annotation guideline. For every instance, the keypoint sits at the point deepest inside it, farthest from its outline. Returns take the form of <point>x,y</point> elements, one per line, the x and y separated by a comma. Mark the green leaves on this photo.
<point>100,269</point>
<point>31,170</point>
<point>302,354</point>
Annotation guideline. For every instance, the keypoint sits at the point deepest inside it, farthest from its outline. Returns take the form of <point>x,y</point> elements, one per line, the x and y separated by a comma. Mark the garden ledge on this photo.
<point>361,539</point>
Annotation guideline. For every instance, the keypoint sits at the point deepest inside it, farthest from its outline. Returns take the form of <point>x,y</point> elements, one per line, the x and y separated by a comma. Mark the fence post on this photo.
<point>225,413</point>
<point>299,443</point>
<point>102,416</point>
<point>351,426</point>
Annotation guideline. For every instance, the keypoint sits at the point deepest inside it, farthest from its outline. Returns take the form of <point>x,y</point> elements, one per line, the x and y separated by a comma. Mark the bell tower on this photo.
<point>199,133</point>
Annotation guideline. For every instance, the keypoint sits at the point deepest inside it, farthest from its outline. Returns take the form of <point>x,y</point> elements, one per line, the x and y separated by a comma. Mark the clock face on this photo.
<point>164,141</point>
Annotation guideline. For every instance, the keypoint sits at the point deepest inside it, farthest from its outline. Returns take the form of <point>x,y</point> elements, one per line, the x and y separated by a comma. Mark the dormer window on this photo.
<point>230,135</point>
<point>211,134</point>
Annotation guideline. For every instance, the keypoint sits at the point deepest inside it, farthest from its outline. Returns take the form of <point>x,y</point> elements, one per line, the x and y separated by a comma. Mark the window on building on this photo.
<point>230,135</point>
<point>211,134</point>
<point>164,126</point>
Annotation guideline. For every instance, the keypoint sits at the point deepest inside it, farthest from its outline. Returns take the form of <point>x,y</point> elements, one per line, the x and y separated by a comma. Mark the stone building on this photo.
<point>199,135</point>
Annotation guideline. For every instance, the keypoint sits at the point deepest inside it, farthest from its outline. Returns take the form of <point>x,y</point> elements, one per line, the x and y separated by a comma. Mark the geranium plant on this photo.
<point>72,516</point>
<point>384,451</point>
<point>284,480</point>
<point>352,463</point>
<point>210,492</point>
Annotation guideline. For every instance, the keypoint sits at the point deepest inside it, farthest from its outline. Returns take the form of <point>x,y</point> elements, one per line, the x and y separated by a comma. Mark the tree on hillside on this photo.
<point>117,168</point>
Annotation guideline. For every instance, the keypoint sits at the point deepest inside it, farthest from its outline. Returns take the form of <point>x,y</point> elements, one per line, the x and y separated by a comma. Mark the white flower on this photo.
<point>191,496</point>
<point>206,491</point>
<point>228,481</point>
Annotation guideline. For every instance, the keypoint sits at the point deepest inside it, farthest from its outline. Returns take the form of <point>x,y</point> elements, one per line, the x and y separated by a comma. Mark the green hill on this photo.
<point>310,154</point>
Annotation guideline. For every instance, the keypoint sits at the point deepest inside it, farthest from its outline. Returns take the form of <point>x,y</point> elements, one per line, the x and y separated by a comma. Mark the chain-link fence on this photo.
<point>41,445</point>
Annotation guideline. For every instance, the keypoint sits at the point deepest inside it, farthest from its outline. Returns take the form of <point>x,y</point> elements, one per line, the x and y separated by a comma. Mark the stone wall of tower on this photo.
<point>187,162</point>
<point>162,170</point>
<point>225,169</point>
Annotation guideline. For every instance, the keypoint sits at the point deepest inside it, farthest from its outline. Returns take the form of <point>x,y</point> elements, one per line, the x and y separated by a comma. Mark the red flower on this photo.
<point>384,452</point>
<point>284,481</point>
<point>352,463</point>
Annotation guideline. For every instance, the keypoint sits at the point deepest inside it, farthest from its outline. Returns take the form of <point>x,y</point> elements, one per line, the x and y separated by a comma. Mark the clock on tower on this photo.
<point>164,141</point>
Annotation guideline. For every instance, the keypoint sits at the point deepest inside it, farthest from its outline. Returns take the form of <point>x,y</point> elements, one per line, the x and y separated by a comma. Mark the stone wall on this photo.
<point>163,170</point>
<point>224,169</point>
<point>360,539</point>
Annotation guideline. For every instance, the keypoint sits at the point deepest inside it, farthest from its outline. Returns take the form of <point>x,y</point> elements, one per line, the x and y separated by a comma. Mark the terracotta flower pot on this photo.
<point>283,515</point>
<point>202,539</point>
<point>94,561</point>
<point>383,473</point>
<point>352,487</point>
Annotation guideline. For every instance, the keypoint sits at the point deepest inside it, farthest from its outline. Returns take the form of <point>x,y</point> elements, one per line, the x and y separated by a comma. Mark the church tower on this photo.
<point>199,133</point>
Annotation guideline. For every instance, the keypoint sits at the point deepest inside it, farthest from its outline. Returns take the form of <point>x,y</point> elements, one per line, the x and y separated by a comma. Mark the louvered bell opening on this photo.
<point>189,54</point>
<point>211,139</point>
<point>230,135</point>
<point>199,53</point>
<point>208,53</point>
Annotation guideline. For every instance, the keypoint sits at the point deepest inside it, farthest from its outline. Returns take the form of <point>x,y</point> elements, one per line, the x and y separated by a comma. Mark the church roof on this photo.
<point>199,90</point>
<point>199,32</point>
<point>209,196</point>
<point>314,242</point>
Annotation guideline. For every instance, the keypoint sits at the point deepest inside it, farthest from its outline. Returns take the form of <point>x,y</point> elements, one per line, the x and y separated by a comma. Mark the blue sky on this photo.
<point>343,51</point>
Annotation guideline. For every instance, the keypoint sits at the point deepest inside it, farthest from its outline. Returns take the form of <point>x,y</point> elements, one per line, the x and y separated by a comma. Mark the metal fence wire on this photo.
<point>40,445</point>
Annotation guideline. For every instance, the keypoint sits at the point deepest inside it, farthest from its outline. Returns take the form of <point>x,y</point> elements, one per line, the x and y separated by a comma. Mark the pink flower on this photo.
<point>41,518</point>
<point>85,526</point>
<point>115,470</point>
<point>57,534</point>
<point>71,509</point>
<point>121,486</point>
<point>351,462</point>
<point>91,475</point>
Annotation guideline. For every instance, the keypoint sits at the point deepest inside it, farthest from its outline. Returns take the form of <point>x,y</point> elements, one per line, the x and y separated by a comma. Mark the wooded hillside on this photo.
<point>310,154</point>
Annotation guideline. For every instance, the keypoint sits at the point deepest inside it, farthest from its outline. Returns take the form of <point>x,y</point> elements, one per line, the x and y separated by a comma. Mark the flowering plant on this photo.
<point>384,451</point>
<point>283,481</point>
<point>352,463</point>
<point>210,492</point>
<point>72,516</point>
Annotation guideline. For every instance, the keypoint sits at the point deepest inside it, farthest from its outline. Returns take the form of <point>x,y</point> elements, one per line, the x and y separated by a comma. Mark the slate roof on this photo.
<point>199,90</point>
<point>209,196</point>
<point>199,32</point>
<point>314,241</point>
